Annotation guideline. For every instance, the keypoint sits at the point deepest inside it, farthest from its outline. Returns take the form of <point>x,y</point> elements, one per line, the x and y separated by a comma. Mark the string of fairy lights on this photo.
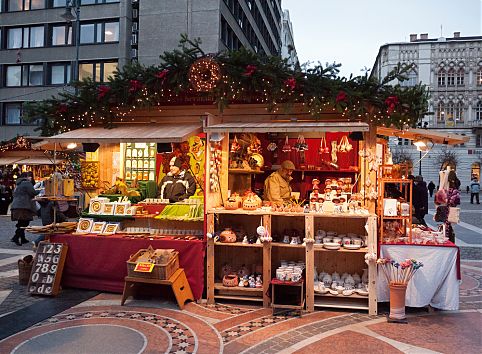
<point>208,80</point>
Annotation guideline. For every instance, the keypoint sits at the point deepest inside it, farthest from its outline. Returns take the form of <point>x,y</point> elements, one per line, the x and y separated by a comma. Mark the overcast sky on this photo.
<point>350,32</point>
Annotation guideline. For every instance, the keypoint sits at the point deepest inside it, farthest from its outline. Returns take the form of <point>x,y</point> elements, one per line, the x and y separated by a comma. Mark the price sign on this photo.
<point>144,267</point>
<point>47,269</point>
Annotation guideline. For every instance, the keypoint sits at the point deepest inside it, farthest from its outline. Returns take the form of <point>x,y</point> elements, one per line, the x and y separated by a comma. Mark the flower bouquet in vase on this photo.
<point>398,275</point>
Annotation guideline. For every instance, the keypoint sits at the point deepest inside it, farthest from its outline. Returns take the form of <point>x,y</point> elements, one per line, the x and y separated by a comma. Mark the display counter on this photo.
<point>99,262</point>
<point>435,284</point>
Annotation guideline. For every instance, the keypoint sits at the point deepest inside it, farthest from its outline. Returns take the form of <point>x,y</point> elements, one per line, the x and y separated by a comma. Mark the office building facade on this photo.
<point>38,47</point>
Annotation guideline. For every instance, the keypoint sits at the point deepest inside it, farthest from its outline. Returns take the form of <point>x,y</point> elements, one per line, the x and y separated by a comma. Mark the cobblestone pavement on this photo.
<point>229,328</point>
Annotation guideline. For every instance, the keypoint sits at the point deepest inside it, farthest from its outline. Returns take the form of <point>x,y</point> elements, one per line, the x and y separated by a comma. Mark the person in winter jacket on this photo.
<point>277,186</point>
<point>420,199</point>
<point>23,207</point>
<point>178,184</point>
<point>474,191</point>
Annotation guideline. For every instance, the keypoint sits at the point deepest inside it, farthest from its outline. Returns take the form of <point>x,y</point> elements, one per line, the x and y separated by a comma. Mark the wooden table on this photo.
<point>178,282</point>
<point>284,284</point>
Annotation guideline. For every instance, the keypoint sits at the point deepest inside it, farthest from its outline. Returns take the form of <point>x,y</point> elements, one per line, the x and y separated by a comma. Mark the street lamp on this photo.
<point>69,17</point>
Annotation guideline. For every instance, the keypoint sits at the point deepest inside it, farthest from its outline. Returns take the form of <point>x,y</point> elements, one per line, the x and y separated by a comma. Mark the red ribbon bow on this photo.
<point>162,74</point>
<point>135,85</point>
<point>341,97</point>
<point>102,90</point>
<point>391,102</point>
<point>291,83</point>
<point>250,69</point>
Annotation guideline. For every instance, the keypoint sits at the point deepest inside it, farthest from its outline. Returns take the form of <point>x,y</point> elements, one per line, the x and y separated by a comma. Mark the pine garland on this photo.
<point>246,78</point>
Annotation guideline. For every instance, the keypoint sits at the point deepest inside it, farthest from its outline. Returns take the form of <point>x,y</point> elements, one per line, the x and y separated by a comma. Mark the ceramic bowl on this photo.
<point>331,245</point>
<point>352,247</point>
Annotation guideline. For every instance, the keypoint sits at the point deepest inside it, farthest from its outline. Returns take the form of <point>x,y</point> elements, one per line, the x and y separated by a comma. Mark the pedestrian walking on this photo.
<point>474,191</point>
<point>47,215</point>
<point>23,207</point>
<point>431,187</point>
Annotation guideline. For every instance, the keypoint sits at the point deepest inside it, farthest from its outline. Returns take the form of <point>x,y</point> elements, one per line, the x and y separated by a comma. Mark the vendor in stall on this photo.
<point>277,186</point>
<point>178,184</point>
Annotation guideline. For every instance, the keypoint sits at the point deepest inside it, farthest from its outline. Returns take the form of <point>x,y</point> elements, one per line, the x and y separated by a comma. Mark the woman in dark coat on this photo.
<point>420,199</point>
<point>23,207</point>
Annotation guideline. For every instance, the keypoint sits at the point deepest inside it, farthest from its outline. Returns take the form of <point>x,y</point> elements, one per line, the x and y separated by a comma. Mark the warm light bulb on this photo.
<point>71,146</point>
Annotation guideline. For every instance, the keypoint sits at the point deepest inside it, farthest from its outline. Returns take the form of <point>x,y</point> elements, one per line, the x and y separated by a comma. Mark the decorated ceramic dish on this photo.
<point>84,225</point>
<point>331,245</point>
<point>352,247</point>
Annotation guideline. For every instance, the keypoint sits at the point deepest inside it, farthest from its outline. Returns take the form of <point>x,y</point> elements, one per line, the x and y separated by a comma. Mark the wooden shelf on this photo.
<point>342,302</point>
<point>234,289</point>
<point>286,245</point>
<point>239,298</point>
<point>319,247</point>
<point>238,244</point>
<point>321,171</point>
<point>278,213</point>
<point>341,296</point>
<point>397,217</point>
<point>242,171</point>
<point>237,293</point>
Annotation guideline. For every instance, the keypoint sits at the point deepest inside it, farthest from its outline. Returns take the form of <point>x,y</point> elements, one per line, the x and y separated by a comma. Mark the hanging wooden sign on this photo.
<point>47,268</point>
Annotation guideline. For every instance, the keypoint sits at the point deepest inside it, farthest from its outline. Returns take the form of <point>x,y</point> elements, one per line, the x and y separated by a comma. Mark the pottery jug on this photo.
<point>227,235</point>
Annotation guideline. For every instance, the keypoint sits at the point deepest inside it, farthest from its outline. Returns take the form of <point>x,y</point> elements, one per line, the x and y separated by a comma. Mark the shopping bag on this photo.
<point>454,215</point>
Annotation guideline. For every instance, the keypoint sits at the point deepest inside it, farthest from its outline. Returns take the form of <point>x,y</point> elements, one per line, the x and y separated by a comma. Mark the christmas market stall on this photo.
<point>125,211</point>
<point>315,239</point>
<point>400,239</point>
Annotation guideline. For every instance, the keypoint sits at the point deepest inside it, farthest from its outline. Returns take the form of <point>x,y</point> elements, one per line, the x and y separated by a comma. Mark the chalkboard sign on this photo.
<point>47,268</point>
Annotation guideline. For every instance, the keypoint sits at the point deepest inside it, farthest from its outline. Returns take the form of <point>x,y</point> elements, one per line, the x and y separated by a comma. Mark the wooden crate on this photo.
<point>160,271</point>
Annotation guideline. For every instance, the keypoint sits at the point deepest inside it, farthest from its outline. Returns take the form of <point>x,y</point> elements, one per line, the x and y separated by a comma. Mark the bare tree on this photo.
<point>448,158</point>
<point>401,156</point>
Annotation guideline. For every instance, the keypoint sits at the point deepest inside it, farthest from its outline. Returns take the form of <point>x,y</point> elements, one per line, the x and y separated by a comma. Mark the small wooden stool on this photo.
<point>285,285</point>
<point>177,281</point>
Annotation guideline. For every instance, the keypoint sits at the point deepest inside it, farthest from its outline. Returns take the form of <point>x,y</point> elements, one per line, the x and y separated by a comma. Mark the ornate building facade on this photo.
<point>452,70</point>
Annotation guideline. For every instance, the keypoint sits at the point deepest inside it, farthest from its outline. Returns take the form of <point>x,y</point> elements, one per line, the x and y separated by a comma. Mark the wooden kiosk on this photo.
<point>264,257</point>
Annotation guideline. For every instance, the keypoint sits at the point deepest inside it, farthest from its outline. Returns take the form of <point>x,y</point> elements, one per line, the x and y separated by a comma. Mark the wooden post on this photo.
<point>266,261</point>
<point>310,263</point>
<point>372,266</point>
<point>210,259</point>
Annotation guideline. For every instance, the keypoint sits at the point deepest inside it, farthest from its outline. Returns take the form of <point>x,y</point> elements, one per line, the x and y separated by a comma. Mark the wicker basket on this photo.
<point>160,271</point>
<point>24,269</point>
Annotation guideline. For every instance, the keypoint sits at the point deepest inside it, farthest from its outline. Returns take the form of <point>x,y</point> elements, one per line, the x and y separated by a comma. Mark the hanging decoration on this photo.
<point>204,74</point>
<point>286,146</point>
<point>215,165</point>
<point>344,145</point>
<point>334,150</point>
<point>323,149</point>
<point>235,147</point>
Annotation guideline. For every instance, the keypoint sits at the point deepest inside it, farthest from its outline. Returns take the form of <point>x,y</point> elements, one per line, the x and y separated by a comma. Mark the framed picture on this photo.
<point>96,206</point>
<point>111,228</point>
<point>120,208</point>
<point>131,210</point>
<point>98,227</point>
<point>109,208</point>
<point>84,225</point>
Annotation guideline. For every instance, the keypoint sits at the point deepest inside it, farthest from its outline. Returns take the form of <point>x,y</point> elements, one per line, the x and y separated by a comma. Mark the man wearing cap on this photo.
<point>177,185</point>
<point>277,186</point>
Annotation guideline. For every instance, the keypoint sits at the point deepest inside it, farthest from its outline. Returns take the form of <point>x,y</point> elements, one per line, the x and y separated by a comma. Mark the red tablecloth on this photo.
<point>99,262</point>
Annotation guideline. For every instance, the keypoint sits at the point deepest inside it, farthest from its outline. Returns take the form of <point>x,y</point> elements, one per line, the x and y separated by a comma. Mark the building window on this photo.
<point>59,3</point>
<point>412,79</point>
<point>479,77</point>
<point>451,77</point>
<point>441,112</point>
<point>61,35</point>
<point>99,32</point>
<point>478,140</point>
<point>26,37</point>
<point>441,77</point>
<point>24,75</point>
<point>461,77</point>
<point>13,113</point>
<point>450,115</point>
<point>25,5</point>
<point>99,72</point>
<point>59,74</point>
<point>478,111</point>
<point>459,112</point>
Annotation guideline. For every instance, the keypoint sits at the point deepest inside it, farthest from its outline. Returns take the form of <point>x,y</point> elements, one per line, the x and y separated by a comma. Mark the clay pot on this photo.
<point>397,301</point>
<point>227,236</point>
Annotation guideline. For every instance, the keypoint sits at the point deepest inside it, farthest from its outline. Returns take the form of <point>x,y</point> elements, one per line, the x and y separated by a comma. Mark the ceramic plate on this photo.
<point>331,245</point>
<point>352,247</point>
<point>362,292</point>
